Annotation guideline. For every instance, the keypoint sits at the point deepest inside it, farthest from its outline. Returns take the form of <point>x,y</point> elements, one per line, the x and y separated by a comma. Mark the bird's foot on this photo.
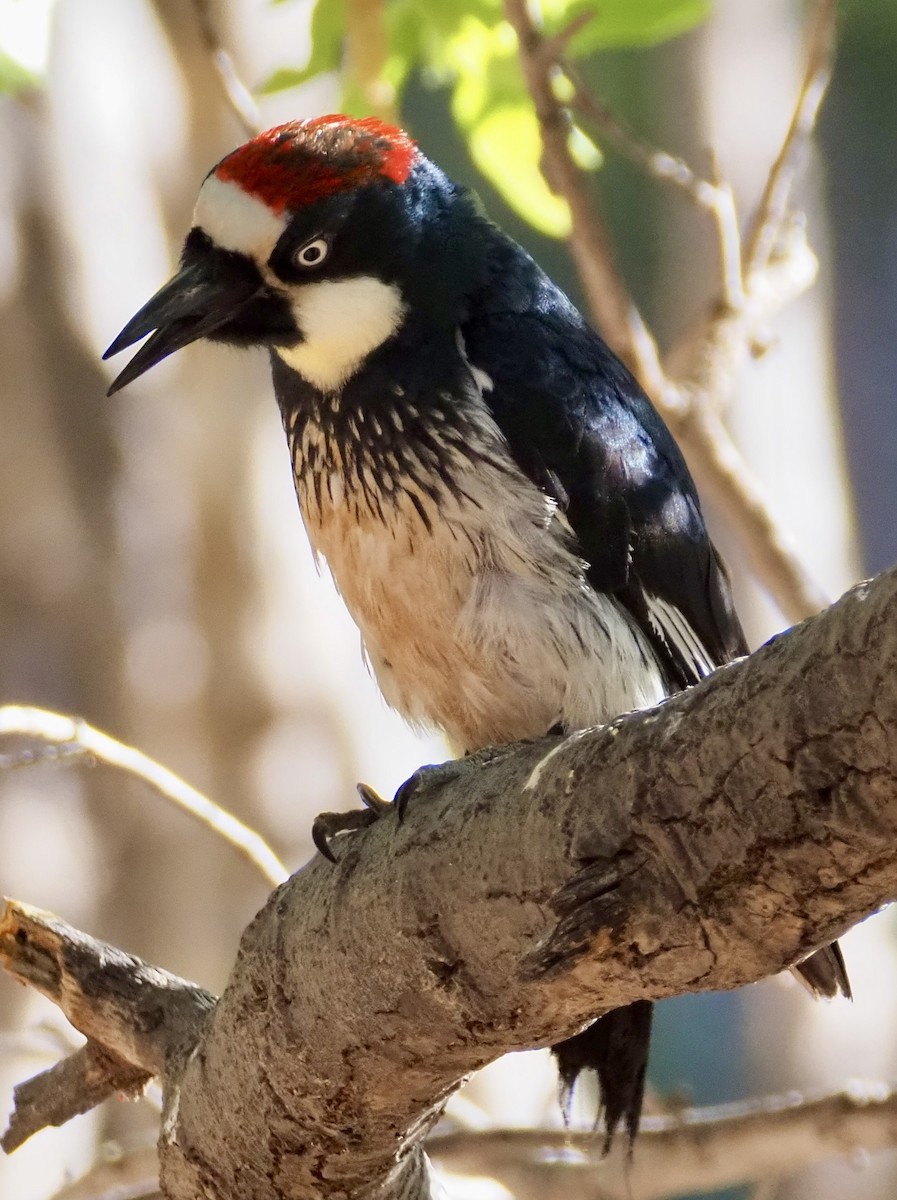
<point>328,826</point>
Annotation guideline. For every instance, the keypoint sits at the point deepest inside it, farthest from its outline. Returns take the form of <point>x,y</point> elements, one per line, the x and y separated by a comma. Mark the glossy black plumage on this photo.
<point>582,428</point>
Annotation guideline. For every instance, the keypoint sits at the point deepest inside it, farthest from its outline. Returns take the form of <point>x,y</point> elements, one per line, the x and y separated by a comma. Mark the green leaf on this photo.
<point>14,77</point>
<point>620,23</point>
<point>482,61</point>
<point>429,32</point>
<point>328,29</point>
<point>506,145</point>
<point>492,107</point>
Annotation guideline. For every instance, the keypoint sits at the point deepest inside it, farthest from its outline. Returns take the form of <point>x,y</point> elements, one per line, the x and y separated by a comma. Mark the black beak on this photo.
<point>205,294</point>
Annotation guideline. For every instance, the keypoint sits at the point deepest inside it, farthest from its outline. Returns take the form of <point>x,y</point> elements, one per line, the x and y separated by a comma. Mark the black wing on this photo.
<point>579,426</point>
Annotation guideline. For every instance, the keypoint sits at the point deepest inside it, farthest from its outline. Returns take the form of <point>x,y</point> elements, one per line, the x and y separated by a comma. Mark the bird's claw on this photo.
<point>372,800</point>
<point>328,826</point>
<point>433,773</point>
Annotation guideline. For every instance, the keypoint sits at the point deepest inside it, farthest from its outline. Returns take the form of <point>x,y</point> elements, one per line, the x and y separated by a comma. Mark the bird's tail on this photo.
<point>615,1047</point>
<point>824,973</point>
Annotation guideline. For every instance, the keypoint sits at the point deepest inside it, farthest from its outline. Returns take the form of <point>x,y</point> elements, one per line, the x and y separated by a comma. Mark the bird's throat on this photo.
<point>341,321</point>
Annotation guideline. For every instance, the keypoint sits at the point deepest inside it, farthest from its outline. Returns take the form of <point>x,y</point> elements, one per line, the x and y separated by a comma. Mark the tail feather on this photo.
<point>615,1047</point>
<point>824,973</point>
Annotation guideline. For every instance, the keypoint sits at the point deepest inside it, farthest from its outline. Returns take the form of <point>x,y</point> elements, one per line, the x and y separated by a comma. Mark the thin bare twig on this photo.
<point>20,759</point>
<point>657,163</point>
<point>773,208</point>
<point>725,218</point>
<point>236,93</point>
<point>72,737</point>
<point>713,195</point>
<point>549,50</point>
<point>611,304</point>
<point>698,1149</point>
<point>740,500</point>
<point>146,1189</point>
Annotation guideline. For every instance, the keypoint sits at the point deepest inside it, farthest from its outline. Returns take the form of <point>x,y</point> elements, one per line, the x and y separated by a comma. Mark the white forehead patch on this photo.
<point>235,220</point>
<point>342,321</point>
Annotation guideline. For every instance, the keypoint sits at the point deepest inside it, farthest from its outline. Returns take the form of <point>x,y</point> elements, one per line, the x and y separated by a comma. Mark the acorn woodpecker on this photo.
<point>506,516</point>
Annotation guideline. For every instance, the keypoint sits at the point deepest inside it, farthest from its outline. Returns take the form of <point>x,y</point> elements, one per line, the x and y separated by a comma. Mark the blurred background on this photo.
<point>154,573</point>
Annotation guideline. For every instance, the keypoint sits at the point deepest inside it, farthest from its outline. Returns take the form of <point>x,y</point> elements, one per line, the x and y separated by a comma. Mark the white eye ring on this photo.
<point>313,253</point>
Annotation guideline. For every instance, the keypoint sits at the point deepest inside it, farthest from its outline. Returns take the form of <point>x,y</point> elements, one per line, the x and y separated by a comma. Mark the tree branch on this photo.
<point>72,739</point>
<point>613,308</point>
<point>714,196</point>
<point>773,208</point>
<point>139,1014</point>
<point>740,500</point>
<point>131,1175</point>
<point>74,1086</point>
<point>700,845</point>
<point>698,1150</point>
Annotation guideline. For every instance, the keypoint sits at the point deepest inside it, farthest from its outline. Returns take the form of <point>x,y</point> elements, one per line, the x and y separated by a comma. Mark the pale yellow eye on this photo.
<point>312,254</point>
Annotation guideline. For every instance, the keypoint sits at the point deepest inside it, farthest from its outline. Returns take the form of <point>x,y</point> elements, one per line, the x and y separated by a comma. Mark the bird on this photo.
<point>504,512</point>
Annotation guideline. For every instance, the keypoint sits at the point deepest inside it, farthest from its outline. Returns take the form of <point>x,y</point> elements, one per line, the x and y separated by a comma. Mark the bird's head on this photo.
<point>310,240</point>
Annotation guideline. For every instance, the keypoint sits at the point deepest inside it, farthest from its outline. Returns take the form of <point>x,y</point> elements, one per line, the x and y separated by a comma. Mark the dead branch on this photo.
<point>714,196</point>
<point>740,500</point>
<point>139,1014</point>
<point>701,845</point>
<point>698,1150</point>
<point>72,739</point>
<point>73,1086</point>
<point>772,211</point>
<point>612,306</point>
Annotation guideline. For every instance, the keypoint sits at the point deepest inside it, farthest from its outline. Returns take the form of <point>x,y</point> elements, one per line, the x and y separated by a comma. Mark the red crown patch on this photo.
<point>293,165</point>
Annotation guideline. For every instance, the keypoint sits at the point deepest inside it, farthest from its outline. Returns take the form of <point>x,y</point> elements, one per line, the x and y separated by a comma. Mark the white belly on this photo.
<point>476,620</point>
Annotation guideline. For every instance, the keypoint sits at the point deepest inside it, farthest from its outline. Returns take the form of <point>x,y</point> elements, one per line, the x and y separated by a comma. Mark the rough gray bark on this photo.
<point>698,846</point>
